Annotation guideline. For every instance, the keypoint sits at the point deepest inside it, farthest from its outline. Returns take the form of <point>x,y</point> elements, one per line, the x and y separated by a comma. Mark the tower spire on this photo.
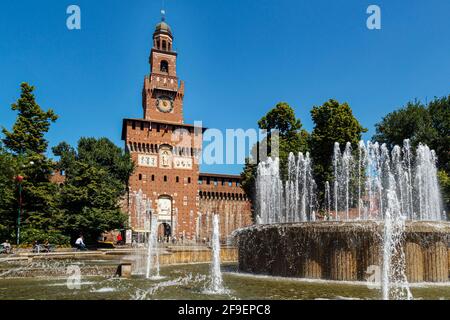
<point>163,11</point>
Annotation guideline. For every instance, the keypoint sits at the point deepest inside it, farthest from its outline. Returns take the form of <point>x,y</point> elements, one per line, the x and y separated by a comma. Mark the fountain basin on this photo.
<point>347,251</point>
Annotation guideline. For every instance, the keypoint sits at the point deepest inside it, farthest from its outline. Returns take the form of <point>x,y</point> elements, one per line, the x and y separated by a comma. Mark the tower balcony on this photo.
<point>161,81</point>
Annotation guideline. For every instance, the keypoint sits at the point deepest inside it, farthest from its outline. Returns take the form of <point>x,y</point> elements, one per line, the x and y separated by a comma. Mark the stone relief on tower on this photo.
<point>165,157</point>
<point>147,160</point>
<point>164,209</point>
<point>182,163</point>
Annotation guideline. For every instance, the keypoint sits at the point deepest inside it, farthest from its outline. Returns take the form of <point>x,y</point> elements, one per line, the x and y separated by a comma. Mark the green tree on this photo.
<point>426,124</point>
<point>333,122</point>
<point>410,122</point>
<point>248,179</point>
<point>444,180</point>
<point>26,145</point>
<point>27,136</point>
<point>7,196</point>
<point>105,154</point>
<point>97,176</point>
<point>90,202</point>
<point>291,138</point>
<point>439,110</point>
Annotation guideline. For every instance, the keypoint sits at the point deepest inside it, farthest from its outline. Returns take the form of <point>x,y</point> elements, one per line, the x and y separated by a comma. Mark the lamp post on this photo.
<point>19,180</point>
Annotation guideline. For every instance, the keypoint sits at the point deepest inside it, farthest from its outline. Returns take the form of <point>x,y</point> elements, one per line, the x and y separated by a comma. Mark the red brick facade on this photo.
<point>167,181</point>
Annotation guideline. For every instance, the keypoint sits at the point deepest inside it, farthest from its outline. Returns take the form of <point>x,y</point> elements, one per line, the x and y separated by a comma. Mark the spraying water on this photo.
<point>142,208</point>
<point>394,284</point>
<point>292,201</point>
<point>152,251</point>
<point>216,283</point>
<point>370,183</point>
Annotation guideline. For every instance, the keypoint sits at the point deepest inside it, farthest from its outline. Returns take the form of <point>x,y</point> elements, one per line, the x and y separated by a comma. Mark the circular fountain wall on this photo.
<point>336,250</point>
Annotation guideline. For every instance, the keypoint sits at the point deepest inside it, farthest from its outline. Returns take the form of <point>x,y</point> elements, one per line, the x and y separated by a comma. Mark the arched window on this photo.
<point>164,66</point>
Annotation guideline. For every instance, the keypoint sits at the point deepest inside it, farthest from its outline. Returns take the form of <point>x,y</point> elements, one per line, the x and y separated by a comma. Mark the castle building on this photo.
<point>167,184</point>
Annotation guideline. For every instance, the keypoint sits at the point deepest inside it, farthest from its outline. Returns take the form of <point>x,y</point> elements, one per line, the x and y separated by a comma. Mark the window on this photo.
<point>189,180</point>
<point>165,178</point>
<point>164,45</point>
<point>140,176</point>
<point>178,179</point>
<point>142,126</point>
<point>153,177</point>
<point>164,66</point>
<point>133,125</point>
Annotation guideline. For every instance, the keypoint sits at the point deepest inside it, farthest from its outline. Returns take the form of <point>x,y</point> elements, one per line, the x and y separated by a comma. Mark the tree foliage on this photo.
<point>291,138</point>
<point>333,122</point>
<point>27,135</point>
<point>96,179</point>
<point>25,147</point>
<point>410,122</point>
<point>88,202</point>
<point>7,196</point>
<point>428,124</point>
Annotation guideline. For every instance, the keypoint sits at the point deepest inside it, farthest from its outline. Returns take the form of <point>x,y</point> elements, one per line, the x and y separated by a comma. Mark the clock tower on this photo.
<point>162,96</point>
<point>166,183</point>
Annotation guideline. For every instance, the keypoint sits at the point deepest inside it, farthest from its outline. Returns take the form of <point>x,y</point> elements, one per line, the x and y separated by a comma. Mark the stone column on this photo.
<point>448,255</point>
<point>414,262</point>
<point>312,266</point>
<point>368,254</point>
<point>342,262</point>
<point>436,262</point>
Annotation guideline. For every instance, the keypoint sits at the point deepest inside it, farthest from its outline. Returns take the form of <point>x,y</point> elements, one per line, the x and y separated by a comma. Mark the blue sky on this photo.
<point>237,57</point>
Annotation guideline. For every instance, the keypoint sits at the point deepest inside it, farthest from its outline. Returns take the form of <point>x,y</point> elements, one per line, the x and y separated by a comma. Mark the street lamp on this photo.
<point>19,180</point>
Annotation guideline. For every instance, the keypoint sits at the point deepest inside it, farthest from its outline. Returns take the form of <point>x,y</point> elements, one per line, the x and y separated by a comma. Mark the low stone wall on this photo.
<point>198,255</point>
<point>341,250</point>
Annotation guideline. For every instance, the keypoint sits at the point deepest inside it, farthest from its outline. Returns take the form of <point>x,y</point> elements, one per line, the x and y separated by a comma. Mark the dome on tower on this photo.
<point>163,27</point>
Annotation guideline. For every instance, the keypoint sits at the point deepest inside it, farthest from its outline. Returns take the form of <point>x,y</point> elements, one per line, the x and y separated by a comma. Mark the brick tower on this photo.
<point>164,148</point>
<point>162,96</point>
<point>166,181</point>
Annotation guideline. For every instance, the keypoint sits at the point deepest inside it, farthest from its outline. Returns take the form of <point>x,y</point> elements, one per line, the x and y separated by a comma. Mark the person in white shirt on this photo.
<point>79,243</point>
<point>7,247</point>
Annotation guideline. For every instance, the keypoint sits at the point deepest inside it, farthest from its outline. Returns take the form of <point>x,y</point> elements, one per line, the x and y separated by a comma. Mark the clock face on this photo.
<point>164,104</point>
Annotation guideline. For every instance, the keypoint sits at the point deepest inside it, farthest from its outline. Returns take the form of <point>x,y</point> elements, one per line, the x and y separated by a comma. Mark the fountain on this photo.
<point>216,281</point>
<point>382,209</point>
<point>142,208</point>
<point>145,262</point>
<point>152,251</point>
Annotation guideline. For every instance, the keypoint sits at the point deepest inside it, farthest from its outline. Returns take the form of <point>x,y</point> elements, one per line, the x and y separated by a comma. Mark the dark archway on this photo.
<point>164,232</point>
